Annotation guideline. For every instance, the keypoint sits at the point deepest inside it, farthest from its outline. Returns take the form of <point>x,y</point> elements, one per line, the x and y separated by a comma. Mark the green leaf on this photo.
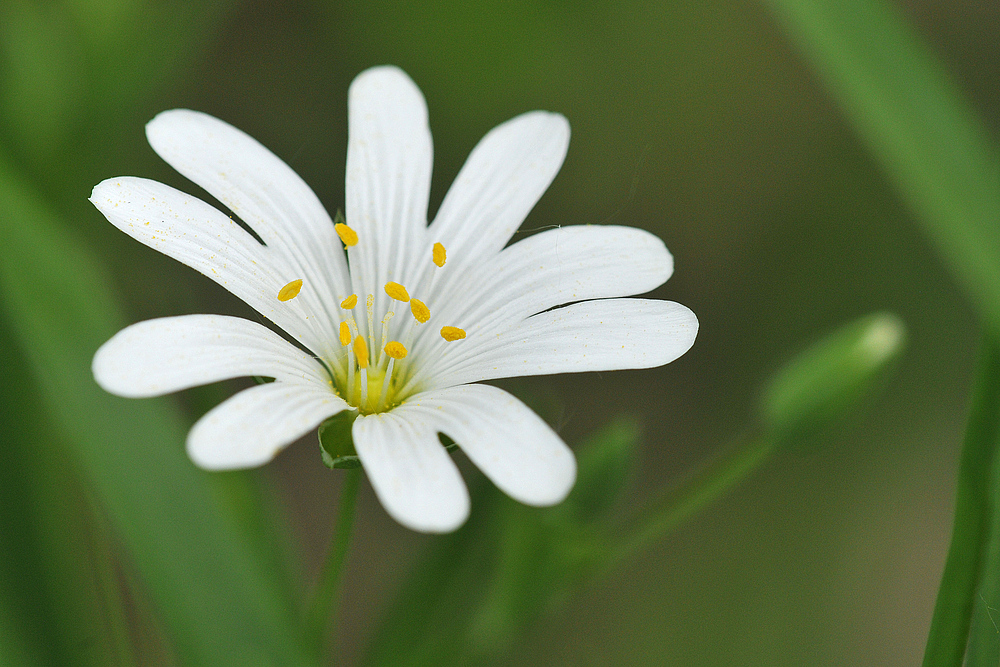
<point>54,607</point>
<point>930,141</point>
<point>975,503</point>
<point>219,603</point>
<point>428,622</point>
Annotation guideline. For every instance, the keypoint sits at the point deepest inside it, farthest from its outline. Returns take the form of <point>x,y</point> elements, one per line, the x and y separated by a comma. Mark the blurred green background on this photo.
<point>699,122</point>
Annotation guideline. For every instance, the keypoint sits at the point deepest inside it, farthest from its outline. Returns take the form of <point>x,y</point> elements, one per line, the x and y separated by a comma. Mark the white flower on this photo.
<point>479,310</point>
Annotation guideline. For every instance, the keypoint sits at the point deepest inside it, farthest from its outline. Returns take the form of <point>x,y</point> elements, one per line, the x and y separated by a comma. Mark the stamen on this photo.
<point>345,340</point>
<point>452,333</point>
<point>345,334</point>
<point>439,254</point>
<point>349,302</point>
<point>290,291</point>
<point>395,349</point>
<point>346,234</point>
<point>385,330</point>
<point>361,351</point>
<point>370,305</point>
<point>397,292</point>
<point>421,313</point>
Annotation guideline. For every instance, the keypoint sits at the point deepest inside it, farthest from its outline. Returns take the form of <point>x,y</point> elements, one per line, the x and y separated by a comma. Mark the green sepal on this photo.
<point>336,445</point>
<point>448,443</point>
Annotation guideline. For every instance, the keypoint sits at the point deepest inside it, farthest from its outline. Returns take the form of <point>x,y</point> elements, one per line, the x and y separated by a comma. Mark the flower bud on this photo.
<point>832,375</point>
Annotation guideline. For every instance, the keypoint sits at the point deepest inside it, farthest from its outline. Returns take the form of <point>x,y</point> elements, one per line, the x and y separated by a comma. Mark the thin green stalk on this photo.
<point>323,610</point>
<point>949,633</point>
<point>681,502</point>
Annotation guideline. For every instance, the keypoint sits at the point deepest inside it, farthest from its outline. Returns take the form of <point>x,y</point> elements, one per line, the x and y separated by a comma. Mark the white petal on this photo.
<point>388,178</point>
<point>411,472</point>
<point>161,356</point>
<point>192,232</point>
<point>602,335</point>
<point>261,189</point>
<point>512,445</point>
<point>251,427</point>
<point>502,180</point>
<point>550,269</point>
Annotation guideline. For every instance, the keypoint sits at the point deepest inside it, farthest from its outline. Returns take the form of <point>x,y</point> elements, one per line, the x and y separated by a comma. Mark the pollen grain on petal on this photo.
<point>439,254</point>
<point>349,302</point>
<point>452,333</point>
<point>397,292</point>
<point>290,291</point>
<point>395,349</point>
<point>346,234</point>
<point>361,351</point>
<point>421,313</point>
<point>345,334</point>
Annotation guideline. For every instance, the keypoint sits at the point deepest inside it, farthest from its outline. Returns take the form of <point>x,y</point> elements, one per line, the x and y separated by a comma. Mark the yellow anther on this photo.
<point>395,349</point>
<point>439,254</point>
<point>345,334</point>
<point>397,292</point>
<point>421,313</point>
<point>361,351</point>
<point>290,291</point>
<point>452,333</point>
<point>346,234</point>
<point>349,302</point>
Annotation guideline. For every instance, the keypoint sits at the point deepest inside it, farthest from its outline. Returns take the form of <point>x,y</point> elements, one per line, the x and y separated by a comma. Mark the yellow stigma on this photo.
<point>397,292</point>
<point>346,234</point>
<point>452,333</point>
<point>361,351</point>
<point>395,349</point>
<point>290,291</point>
<point>439,254</point>
<point>421,313</point>
<point>345,334</point>
<point>349,302</point>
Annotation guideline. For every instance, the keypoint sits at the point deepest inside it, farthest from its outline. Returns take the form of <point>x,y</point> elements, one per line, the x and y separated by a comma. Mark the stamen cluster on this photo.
<point>374,382</point>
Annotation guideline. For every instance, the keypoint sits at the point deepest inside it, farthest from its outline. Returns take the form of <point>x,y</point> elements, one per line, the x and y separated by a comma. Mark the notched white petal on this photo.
<point>387,180</point>
<point>501,181</point>
<point>165,355</point>
<point>202,237</point>
<point>256,185</point>
<point>411,472</point>
<point>602,335</point>
<point>248,429</point>
<point>555,267</point>
<point>512,445</point>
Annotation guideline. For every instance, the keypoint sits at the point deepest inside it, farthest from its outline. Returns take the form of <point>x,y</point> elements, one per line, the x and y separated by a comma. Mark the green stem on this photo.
<point>681,502</point>
<point>949,633</point>
<point>323,610</point>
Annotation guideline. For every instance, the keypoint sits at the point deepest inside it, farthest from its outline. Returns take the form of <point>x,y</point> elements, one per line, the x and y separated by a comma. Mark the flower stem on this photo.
<point>949,633</point>
<point>678,503</point>
<point>323,610</point>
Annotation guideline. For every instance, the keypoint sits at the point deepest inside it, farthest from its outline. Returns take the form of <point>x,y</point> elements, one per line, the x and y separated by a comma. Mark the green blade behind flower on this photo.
<point>218,602</point>
<point>913,118</point>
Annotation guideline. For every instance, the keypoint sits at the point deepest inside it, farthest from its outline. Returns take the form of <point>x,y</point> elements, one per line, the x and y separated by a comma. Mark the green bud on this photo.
<point>834,374</point>
<point>336,445</point>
